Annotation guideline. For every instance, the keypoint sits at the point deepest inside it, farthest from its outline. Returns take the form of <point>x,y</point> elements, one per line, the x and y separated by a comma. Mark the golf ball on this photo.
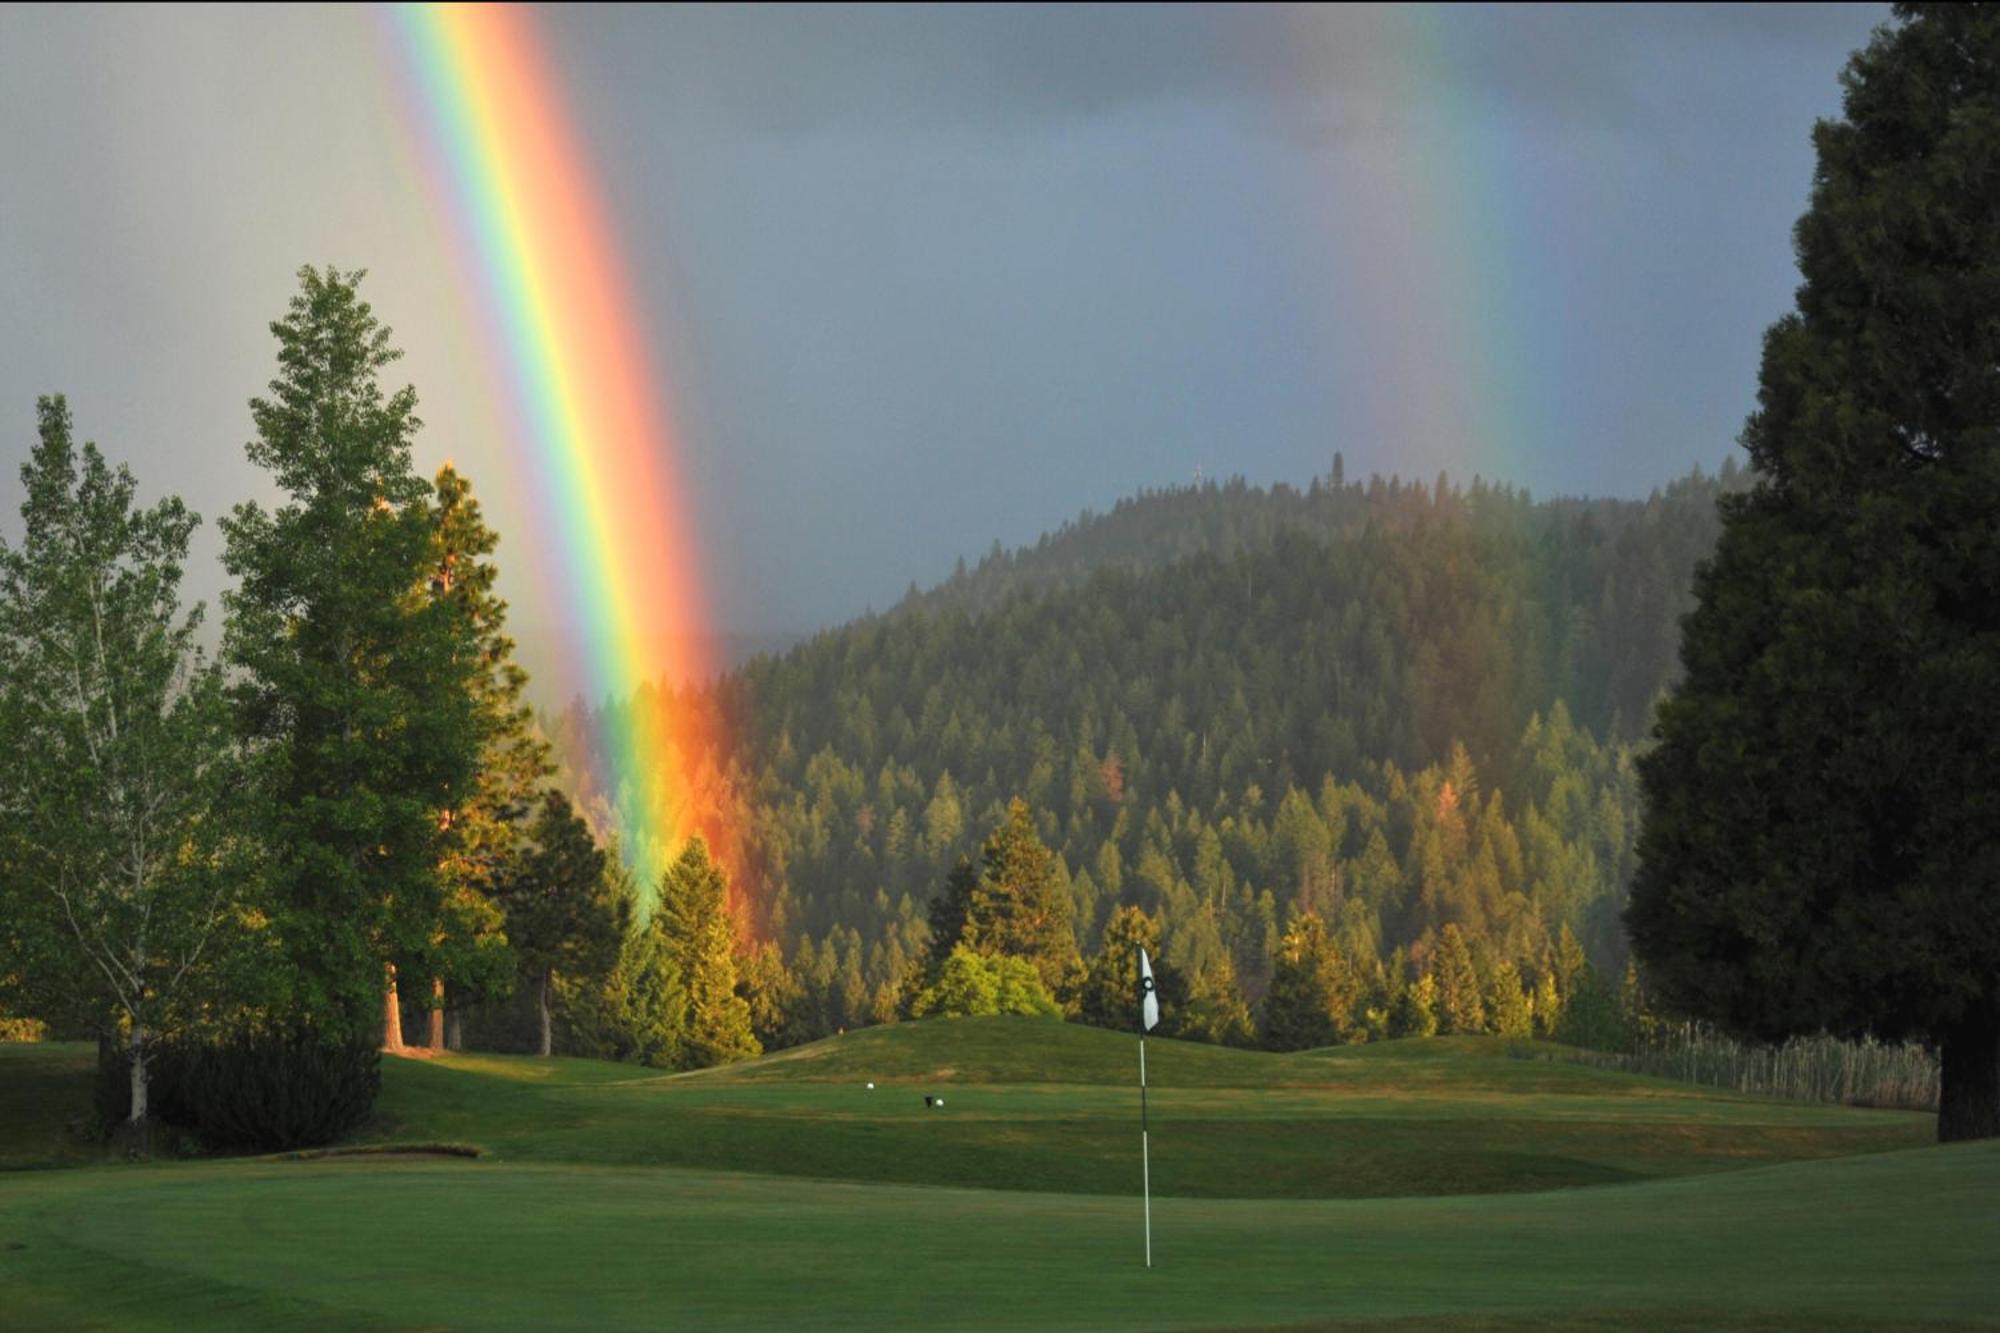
<point>871,1087</point>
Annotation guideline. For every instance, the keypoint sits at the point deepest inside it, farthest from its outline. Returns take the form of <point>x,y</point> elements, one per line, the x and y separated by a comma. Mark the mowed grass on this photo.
<point>1411,1181</point>
<point>1034,1105</point>
<point>1883,1240</point>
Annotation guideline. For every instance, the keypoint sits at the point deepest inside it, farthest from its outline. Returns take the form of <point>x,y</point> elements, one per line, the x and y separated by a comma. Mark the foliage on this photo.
<point>1396,705</point>
<point>1822,830</point>
<point>972,983</point>
<point>1016,908</point>
<point>698,942</point>
<point>255,1091</point>
<point>114,755</point>
<point>1109,995</point>
<point>563,912</point>
<point>486,832</point>
<point>1314,993</point>
<point>352,683</point>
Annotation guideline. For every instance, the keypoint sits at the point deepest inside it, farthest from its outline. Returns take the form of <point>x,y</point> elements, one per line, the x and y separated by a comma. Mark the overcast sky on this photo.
<point>928,278</point>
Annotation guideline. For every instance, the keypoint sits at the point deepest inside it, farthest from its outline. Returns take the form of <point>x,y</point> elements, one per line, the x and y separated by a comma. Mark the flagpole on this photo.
<point>1145,1145</point>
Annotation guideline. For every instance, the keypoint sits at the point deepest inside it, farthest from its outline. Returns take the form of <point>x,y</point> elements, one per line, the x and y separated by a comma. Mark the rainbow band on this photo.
<point>588,408</point>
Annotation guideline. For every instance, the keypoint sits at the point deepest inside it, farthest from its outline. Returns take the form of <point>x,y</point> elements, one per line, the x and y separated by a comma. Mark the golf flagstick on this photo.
<point>1149,1014</point>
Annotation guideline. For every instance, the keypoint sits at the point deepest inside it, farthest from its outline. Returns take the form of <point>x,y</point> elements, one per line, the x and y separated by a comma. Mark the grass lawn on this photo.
<point>1408,1181</point>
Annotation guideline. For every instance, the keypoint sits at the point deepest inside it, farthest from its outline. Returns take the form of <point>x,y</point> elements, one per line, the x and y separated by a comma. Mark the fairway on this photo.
<point>1430,1180</point>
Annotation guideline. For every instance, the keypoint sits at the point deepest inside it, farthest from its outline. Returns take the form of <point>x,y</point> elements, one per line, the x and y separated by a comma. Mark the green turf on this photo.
<point>1868,1240</point>
<point>1046,1106</point>
<point>1410,1181</point>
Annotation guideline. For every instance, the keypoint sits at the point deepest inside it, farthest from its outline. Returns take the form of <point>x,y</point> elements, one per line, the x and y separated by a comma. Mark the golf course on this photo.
<point>1463,1182</point>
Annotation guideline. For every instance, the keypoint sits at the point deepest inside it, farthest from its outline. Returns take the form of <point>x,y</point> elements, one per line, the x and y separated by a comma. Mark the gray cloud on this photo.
<point>928,277</point>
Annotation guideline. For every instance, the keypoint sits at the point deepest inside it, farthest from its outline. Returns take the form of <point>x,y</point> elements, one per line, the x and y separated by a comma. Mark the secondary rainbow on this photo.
<point>587,403</point>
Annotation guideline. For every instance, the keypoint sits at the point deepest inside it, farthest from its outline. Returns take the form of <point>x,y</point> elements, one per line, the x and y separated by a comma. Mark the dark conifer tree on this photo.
<point>1821,847</point>
<point>564,915</point>
<point>351,684</point>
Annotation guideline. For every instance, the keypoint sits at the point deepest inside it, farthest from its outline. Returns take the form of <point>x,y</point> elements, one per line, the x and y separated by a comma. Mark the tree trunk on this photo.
<point>139,1079</point>
<point>437,1014</point>
<point>544,997</point>
<point>454,1031</point>
<point>392,1016</point>
<point>1969,1083</point>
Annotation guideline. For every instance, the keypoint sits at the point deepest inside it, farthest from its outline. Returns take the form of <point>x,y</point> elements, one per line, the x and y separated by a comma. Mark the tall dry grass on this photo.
<point>1899,1075</point>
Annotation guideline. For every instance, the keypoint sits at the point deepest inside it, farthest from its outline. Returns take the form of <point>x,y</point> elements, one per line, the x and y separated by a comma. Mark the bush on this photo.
<point>972,984</point>
<point>255,1092</point>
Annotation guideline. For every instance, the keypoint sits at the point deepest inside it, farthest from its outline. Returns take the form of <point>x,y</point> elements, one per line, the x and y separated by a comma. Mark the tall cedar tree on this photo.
<point>353,687</point>
<point>701,939</point>
<point>114,743</point>
<point>1017,908</point>
<point>469,958</point>
<point>562,908</point>
<point>1821,842</point>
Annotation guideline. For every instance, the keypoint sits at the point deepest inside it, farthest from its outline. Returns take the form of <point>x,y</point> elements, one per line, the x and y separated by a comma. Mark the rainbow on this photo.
<point>594,433</point>
<point>1432,218</point>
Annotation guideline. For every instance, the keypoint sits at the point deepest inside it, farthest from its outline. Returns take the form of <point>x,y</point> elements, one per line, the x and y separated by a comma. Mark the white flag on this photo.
<point>1149,1003</point>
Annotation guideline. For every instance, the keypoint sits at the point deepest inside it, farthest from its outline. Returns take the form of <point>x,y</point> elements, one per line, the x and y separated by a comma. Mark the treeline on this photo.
<point>246,877</point>
<point>1397,707</point>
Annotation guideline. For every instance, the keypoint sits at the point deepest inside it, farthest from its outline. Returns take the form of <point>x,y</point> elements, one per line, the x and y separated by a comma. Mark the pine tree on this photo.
<point>1109,996</point>
<point>1508,1011</point>
<point>350,682</point>
<point>1459,1008</point>
<point>487,830</point>
<point>1314,992</point>
<point>1018,908</point>
<point>1416,1011</point>
<point>694,920</point>
<point>564,914</point>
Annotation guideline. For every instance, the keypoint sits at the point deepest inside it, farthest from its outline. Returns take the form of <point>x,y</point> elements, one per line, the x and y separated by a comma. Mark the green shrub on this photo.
<point>255,1092</point>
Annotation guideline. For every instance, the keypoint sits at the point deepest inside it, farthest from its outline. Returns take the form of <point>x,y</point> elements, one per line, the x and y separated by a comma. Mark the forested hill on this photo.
<point>1158,527</point>
<point>1408,705</point>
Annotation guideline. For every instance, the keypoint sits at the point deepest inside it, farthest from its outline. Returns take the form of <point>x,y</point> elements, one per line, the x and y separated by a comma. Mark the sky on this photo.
<point>917,280</point>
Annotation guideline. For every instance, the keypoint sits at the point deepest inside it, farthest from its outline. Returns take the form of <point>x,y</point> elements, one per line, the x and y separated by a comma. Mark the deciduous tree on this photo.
<point>114,750</point>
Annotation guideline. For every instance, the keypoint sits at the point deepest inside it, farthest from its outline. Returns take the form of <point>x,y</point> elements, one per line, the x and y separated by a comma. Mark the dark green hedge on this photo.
<point>255,1092</point>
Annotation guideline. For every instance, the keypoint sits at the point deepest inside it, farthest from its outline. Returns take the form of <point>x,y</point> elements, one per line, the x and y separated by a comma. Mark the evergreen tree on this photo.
<point>1314,992</point>
<point>1017,908</point>
<point>1459,1007</point>
<point>1508,1010</point>
<point>1416,1011</point>
<point>1215,1009</point>
<point>487,830</point>
<point>694,920</point>
<point>114,750</point>
<point>564,914</point>
<point>352,688</point>
<point>774,995</point>
<point>1821,835</point>
<point>1109,996</point>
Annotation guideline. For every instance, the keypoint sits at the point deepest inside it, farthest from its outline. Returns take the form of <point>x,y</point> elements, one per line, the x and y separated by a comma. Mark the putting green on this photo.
<point>1903,1237</point>
<point>1422,1181</point>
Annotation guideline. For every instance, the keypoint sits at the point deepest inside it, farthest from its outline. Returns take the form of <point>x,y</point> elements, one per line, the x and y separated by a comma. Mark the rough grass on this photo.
<point>1411,1182</point>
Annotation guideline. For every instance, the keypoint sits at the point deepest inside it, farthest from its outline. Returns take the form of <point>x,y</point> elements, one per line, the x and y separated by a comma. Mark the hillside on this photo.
<point>1402,705</point>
